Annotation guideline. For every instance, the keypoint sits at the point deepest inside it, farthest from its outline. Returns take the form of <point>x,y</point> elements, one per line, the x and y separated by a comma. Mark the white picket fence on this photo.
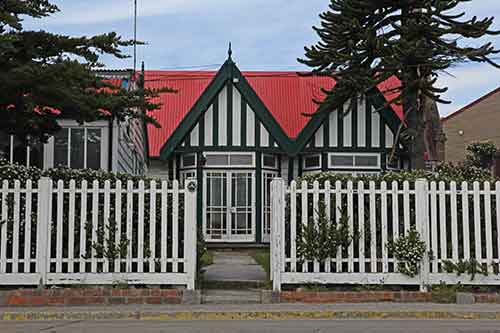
<point>96,234</point>
<point>455,221</point>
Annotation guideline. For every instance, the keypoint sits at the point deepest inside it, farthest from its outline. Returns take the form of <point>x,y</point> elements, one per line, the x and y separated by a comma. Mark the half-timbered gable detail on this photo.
<point>235,131</point>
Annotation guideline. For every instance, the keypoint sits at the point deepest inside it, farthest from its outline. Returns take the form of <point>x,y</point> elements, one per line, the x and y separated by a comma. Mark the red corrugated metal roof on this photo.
<point>287,96</point>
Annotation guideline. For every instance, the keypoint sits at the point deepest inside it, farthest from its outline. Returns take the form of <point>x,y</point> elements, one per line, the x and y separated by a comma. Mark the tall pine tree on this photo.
<point>365,42</point>
<point>45,77</point>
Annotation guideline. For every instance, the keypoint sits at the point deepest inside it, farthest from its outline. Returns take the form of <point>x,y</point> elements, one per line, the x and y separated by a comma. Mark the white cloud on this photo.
<point>467,84</point>
<point>93,11</point>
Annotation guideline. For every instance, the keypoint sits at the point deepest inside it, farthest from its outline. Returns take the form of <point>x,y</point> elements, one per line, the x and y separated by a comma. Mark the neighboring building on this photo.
<point>478,121</point>
<point>234,132</point>
<point>100,145</point>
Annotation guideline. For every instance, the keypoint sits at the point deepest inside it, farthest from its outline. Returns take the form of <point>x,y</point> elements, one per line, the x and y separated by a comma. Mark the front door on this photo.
<point>229,206</point>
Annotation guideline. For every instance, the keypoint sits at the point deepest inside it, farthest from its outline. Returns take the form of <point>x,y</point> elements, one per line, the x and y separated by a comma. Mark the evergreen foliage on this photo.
<point>45,77</point>
<point>363,43</point>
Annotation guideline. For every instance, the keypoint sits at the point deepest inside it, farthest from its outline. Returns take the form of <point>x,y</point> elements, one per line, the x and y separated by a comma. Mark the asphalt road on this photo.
<point>316,326</point>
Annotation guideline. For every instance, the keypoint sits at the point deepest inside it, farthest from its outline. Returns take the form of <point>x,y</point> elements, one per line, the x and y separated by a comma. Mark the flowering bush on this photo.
<point>409,251</point>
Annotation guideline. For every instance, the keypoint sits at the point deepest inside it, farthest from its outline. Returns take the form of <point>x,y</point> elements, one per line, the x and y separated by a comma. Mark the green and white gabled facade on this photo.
<point>234,146</point>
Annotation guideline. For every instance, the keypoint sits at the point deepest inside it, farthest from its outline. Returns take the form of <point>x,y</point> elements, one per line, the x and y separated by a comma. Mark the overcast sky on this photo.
<point>266,35</point>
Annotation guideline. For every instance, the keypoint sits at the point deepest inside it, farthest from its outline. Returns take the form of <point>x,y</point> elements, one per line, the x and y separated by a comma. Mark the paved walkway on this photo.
<point>234,267</point>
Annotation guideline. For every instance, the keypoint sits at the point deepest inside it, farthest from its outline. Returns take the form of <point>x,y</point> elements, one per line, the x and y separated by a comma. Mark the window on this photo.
<point>14,150</point>
<point>269,161</point>
<point>188,161</point>
<point>312,162</point>
<point>78,148</point>
<point>234,160</point>
<point>354,161</point>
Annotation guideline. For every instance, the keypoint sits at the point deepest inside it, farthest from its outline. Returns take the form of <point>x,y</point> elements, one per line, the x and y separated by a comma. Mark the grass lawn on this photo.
<point>262,257</point>
<point>207,259</point>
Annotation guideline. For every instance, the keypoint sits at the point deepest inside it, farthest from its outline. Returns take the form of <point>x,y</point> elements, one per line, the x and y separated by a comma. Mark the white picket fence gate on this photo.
<point>96,234</point>
<point>455,221</point>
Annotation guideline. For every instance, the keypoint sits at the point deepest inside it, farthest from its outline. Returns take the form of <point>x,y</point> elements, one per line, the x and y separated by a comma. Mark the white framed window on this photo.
<point>311,162</point>
<point>79,147</point>
<point>238,160</point>
<point>14,150</point>
<point>188,161</point>
<point>353,161</point>
<point>270,161</point>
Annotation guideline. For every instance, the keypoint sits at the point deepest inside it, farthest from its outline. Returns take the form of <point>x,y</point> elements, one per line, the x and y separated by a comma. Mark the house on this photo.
<point>478,121</point>
<point>106,145</point>
<point>234,132</point>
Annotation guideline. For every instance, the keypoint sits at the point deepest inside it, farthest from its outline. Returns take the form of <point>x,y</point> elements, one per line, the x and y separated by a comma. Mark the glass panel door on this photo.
<point>242,205</point>
<point>229,206</point>
<point>216,212</point>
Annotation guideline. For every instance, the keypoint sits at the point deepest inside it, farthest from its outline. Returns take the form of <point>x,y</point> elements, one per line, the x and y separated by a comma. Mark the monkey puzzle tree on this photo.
<point>45,77</point>
<point>365,42</point>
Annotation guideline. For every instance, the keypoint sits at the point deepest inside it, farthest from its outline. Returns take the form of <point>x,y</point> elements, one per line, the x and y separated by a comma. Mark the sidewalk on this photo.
<point>257,312</point>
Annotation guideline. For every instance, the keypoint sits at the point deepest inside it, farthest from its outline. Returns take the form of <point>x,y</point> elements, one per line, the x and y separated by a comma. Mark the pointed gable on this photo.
<point>281,98</point>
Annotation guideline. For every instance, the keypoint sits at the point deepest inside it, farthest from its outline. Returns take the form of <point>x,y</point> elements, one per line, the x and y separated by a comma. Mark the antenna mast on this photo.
<point>135,35</point>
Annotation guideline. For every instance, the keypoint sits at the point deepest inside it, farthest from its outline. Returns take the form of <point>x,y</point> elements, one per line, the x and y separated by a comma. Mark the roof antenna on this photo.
<point>230,51</point>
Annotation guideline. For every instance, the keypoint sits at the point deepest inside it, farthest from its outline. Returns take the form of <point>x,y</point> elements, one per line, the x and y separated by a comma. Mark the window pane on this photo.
<point>188,160</point>
<point>342,160</point>
<point>77,148</point>
<point>4,146</point>
<point>217,160</point>
<point>94,149</point>
<point>241,159</point>
<point>367,161</point>
<point>36,155</point>
<point>61,148</point>
<point>312,162</point>
<point>270,161</point>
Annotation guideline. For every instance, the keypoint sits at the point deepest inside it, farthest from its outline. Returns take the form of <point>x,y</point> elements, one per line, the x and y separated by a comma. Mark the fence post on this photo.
<point>190,232</point>
<point>277,230</point>
<point>422,226</point>
<point>43,228</point>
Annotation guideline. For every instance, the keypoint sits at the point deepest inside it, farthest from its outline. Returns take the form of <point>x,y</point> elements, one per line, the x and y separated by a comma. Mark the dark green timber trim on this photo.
<point>291,161</point>
<point>202,104</point>
<point>258,198</point>
<point>199,193</point>
<point>228,72</point>
<point>374,97</point>
<point>229,113</point>
<point>258,144</point>
<point>326,132</point>
<point>354,124</point>
<point>201,131</point>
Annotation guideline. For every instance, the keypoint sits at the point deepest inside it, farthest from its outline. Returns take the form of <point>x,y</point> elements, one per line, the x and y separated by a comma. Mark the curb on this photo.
<point>277,315</point>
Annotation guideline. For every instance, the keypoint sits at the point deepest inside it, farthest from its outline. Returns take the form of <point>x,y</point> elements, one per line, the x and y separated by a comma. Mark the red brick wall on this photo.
<point>88,296</point>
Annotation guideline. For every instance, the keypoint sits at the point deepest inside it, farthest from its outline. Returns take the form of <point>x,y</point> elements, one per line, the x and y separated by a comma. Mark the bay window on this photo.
<point>80,148</point>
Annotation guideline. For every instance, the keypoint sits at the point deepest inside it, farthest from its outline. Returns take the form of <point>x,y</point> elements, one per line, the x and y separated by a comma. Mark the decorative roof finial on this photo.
<point>230,51</point>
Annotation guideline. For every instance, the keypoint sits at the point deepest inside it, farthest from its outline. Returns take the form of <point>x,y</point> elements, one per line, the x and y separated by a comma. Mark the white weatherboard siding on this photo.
<point>209,119</point>
<point>250,127</point>
<point>389,137</point>
<point>195,136</point>
<point>361,122</point>
<point>319,137</point>
<point>264,136</point>
<point>347,128</point>
<point>223,117</point>
<point>333,119</point>
<point>375,129</point>
<point>236,118</point>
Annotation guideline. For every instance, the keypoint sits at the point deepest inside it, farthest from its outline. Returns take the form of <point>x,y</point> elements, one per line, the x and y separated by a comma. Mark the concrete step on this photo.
<point>216,296</point>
